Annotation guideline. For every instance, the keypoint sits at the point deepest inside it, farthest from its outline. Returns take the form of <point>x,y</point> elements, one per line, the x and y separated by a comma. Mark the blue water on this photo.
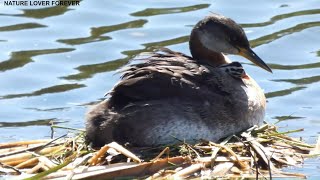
<point>57,60</point>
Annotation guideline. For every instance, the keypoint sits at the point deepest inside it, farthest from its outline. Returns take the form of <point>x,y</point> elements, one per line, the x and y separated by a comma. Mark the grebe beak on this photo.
<point>253,57</point>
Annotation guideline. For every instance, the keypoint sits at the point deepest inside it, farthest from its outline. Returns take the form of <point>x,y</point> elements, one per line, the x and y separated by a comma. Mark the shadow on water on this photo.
<point>39,122</point>
<point>20,58</point>
<point>87,71</point>
<point>97,32</point>
<point>159,11</point>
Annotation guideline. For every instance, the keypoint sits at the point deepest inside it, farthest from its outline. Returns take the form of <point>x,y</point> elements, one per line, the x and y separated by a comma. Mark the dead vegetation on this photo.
<point>256,153</point>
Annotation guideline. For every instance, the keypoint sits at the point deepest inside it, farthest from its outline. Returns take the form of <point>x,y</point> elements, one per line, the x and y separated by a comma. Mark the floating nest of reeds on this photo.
<point>259,152</point>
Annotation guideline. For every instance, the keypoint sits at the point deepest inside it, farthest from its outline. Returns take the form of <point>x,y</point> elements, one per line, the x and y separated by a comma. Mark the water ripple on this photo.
<point>159,11</point>
<point>97,32</point>
<point>22,26</point>
<point>87,71</point>
<point>279,34</point>
<point>21,58</point>
<point>301,81</point>
<point>47,90</point>
<point>41,13</point>
<point>281,17</point>
<point>295,67</point>
<point>39,122</point>
<point>283,92</point>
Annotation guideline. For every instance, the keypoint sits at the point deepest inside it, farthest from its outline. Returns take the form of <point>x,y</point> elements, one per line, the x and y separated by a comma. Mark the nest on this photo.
<point>259,152</point>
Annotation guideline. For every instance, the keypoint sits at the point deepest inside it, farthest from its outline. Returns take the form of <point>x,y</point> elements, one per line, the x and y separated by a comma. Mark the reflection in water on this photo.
<point>49,109</point>
<point>279,34</point>
<point>283,92</point>
<point>45,12</point>
<point>294,67</point>
<point>21,27</point>
<point>302,81</point>
<point>97,32</point>
<point>87,71</point>
<point>52,89</point>
<point>286,118</point>
<point>20,58</point>
<point>42,12</point>
<point>281,17</point>
<point>159,11</point>
<point>40,122</point>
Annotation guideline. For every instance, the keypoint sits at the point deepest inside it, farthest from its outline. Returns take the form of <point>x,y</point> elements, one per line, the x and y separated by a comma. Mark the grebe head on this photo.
<point>216,34</point>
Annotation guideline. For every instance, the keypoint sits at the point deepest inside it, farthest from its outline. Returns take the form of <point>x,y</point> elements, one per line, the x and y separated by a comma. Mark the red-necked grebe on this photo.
<point>173,95</point>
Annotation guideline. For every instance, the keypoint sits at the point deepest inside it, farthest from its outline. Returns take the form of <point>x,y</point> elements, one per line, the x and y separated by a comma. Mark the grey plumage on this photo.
<point>171,94</point>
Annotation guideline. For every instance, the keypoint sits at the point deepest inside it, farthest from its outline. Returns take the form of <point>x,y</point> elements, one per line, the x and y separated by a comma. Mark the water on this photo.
<point>57,60</point>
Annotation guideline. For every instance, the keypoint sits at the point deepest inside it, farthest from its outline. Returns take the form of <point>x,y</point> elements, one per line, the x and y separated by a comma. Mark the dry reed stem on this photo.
<point>44,167</point>
<point>35,168</point>
<point>7,168</point>
<point>33,148</point>
<point>165,150</point>
<point>235,170</point>
<point>207,160</point>
<point>117,147</point>
<point>215,150</point>
<point>84,169</point>
<point>47,162</point>
<point>21,143</point>
<point>12,149</point>
<point>231,152</point>
<point>135,170</point>
<point>124,151</point>
<point>293,142</point>
<point>260,150</point>
<point>221,169</point>
<point>41,175</point>
<point>14,160</point>
<point>213,157</point>
<point>188,170</point>
<point>29,163</point>
<point>93,161</point>
<point>162,174</point>
<point>283,149</point>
